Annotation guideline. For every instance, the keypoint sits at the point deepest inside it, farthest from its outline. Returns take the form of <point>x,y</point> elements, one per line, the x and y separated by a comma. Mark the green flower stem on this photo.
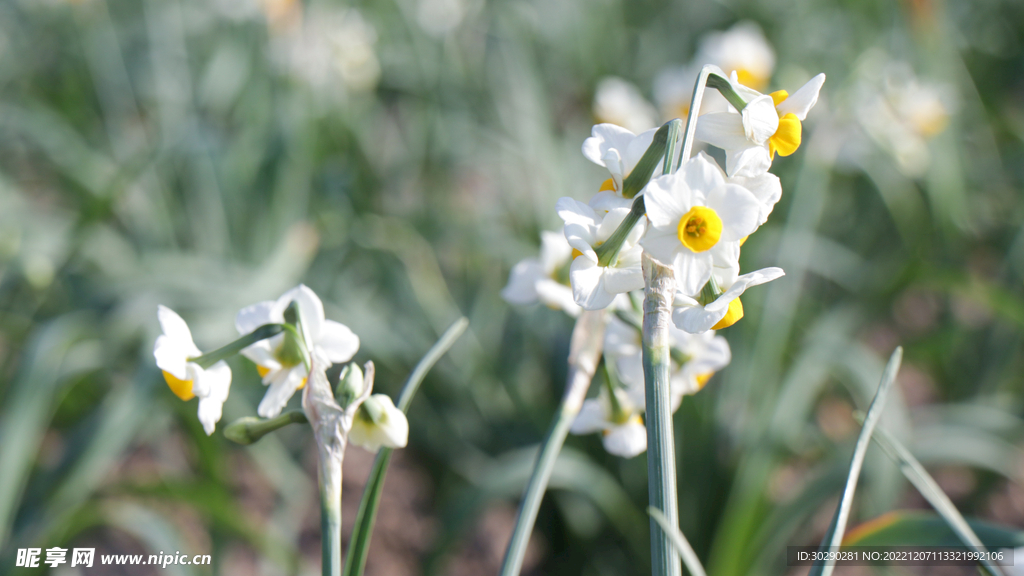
<point>608,252</point>
<point>584,353</point>
<point>250,428</point>
<point>359,543</point>
<point>725,87</point>
<point>641,173</point>
<point>261,333</point>
<point>330,516</point>
<point>661,460</point>
<point>675,130</point>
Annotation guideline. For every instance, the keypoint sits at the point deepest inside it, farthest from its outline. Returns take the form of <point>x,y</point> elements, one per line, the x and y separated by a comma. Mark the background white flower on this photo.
<point>544,279</point>
<point>622,435</point>
<point>329,343</point>
<point>619,102</point>
<point>619,150</point>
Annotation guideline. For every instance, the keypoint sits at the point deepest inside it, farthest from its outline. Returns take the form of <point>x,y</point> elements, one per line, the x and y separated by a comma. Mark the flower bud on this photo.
<point>378,422</point>
<point>350,384</point>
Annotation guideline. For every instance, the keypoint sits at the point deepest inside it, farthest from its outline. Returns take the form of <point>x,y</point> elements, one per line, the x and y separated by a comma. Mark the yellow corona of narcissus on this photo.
<point>281,360</point>
<point>174,352</point>
<point>697,218</point>
<point>768,124</point>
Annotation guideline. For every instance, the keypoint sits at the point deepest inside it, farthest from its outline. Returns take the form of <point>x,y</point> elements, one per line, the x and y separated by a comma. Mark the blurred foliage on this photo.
<point>399,157</point>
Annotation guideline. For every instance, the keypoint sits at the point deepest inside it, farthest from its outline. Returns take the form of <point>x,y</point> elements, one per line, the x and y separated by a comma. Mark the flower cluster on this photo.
<point>694,219</point>
<point>284,338</point>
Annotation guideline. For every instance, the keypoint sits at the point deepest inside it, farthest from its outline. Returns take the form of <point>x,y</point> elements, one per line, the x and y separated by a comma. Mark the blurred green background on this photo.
<point>399,157</point>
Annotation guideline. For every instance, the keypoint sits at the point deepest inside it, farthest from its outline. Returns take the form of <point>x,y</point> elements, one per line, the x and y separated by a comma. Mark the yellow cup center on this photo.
<point>608,184</point>
<point>181,388</point>
<point>786,139</point>
<point>732,316</point>
<point>700,228</point>
<point>702,379</point>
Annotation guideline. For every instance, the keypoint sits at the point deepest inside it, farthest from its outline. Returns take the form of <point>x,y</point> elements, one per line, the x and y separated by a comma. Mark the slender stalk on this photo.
<point>691,117</point>
<point>229,350</point>
<point>250,429</point>
<point>661,454</point>
<point>330,514</point>
<point>584,353</point>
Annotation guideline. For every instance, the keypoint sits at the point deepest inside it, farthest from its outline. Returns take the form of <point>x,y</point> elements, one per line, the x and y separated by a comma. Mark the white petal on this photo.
<point>217,380</point>
<point>662,244</point>
<point>722,129</point>
<point>285,383</point>
<point>766,188</point>
<point>692,270</point>
<point>173,326</point>
<point>696,319</point>
<point>262,352</point>
<point>337,342</point>
<point>620,338</point>
<point>742,283</point>
<point>760,120</point>
<point>588,284</point>
<point>610,223</point>
<point>607,200</point>
<point>627,440</point>
<point>522,280</point>
<point>738,209</point>
<point>635,151</point>
<point>666,199</point>
<point>702,173</point>
<point>748,162</point>
<point>572,211</point>
<point>605,137</point>
<point>801,101</point>
<point>621,280</point>
<point>252,317</point>
<point>172,356</point>
<point>581,238</point>
<point>590,419</point>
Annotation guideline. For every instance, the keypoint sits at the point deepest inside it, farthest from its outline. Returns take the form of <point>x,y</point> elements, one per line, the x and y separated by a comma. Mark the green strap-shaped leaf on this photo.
<point>679,542</point>
<point>359,545</point>
<point>834,536</point>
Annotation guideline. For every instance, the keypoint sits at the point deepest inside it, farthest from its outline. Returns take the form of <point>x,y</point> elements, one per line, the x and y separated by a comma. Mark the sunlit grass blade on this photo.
<point>682,546</point>
<point>834,536</point>
<point>920,528</point>
<point>931,491</point>
<point>359,545</point>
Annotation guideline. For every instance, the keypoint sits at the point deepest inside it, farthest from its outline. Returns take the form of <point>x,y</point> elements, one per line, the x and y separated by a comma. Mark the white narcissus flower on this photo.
<point>279,359</point>
<point>769,123</point>
<point>622,430</point>
<point>619,150</point>
<point>595,286</point>
<point>378,422</point>
<point>696,220</point>
<point>174,350</point>
<point>723,310</point>
<point>619,102</point>
<point>544,279</point>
